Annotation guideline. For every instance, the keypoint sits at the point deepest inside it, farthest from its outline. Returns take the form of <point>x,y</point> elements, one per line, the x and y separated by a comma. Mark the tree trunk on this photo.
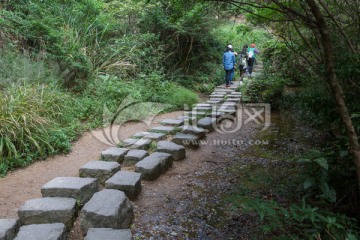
<point>335,85</point>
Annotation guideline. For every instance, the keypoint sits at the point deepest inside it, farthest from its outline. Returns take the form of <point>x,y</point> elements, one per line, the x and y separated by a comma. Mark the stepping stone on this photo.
<point>54,231</point>
<point>216,114</point>
<point>195,113</point>
<point>78,188</point>
<point>134,156</point>
<point>226,111</point>
<point>236,100</point>
<point>215,95</point>
<point>128,182</point>
<point>152,166</point>
<point>208,123</point>
<point>235,94</point>
<point>114,154</point>
<point>108,208</point>
<point>202,108</point>
<point>187,140</point>
<point>108,234</point>
<point>194,130</point>
<point>8,228</point>
<point>48,210</point>
<point>187,118</point>
<point>202,105</point>
<point>177,151</point>
<point>163,129</point>
<point>216,99</point>
<point>100,170</point>
<point>172,122</point>
<point>133,143</point>
<point>155,136</point>
<point>213,102</point>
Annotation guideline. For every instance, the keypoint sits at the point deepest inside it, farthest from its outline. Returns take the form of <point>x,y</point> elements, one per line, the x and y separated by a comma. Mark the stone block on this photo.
<point>194,130</point>
<point>133,143</point>
<point>134,156</point>
<point>78,188</point>
<point>163,129</point>
<point>152,166</point>
<point>178,152</point>
<point>213,102</point>
<point>108,208</point>
<point>172,122</point>
<point>128,182</point>
<point>207,123</point>
<point>48,210</point>
<point>54,231</point>
<point>108,234</point>
<point>8,228</point>
<point>100,170</point>
<point>114,154</point>
<point>187,140</point>
<point>155,136</point>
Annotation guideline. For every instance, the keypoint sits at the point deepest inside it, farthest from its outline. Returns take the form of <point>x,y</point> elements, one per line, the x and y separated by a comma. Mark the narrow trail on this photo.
<point>24,184</point>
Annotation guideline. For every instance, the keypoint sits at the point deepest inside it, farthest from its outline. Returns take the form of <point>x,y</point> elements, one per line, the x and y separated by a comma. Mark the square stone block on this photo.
<point>114,154</point>
<point>194,130</point>
<point>128,182</point>
<point>108,208</point>
<point>54,231</point>
<point>100,170</point>
<point>177,151</point>
<point>187,140</point>
<point>208,123</point>
<point>48,210</point>
<point>133,143</point>
<point>8,228</point>
<point>163,129</point>
<point>172,122</point>
<point>134,156</point>
<point>78,188</point>
<point>108,234</point>
<point>152,166</point>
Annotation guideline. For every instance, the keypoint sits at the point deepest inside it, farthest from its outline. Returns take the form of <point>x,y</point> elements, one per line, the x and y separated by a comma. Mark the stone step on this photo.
<point>114,154</point>
<point>187,140</point>
<point>108,208</point>
<point>8,228</point>
<point>214,102</point>
<point>194,130</point>
<point>214,95</point>
<point>177,151</point>
<point>172,122</point>
<point>202,108</point>
<point>128,182</point>
<point>154,165</point>
<point>108,234</point>
<point>134,156</point>
<point>163,129</point>
<point>48,210</point>
<point>235,100</point>
<point>150,135</point>
<point>187,118</point>
<point>78,188</point>
<point>100,170</point>
<point>54,231</point>
<point>216,99</point>
<point>208,123</point>
<point>133,143</point>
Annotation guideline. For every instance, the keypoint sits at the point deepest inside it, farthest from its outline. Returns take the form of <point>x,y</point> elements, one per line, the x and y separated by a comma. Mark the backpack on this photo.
<point>251,53</point>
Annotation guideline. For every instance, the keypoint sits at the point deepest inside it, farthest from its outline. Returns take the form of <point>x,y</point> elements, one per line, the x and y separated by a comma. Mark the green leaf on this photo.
<point>309,182</point>
<point>322,162</point>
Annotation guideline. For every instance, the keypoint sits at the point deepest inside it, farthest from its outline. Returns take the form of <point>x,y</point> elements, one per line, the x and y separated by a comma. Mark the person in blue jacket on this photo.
<point>229,64</point>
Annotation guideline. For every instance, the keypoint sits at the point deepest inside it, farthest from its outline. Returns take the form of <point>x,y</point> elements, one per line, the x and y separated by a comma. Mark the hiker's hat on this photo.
<point>229,46</point>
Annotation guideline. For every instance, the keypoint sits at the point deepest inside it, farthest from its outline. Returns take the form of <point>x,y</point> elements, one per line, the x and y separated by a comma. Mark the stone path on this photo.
<point>101,196</point>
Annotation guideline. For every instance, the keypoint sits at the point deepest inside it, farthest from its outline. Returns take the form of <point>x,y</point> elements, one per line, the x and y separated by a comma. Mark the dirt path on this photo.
<point>24,184</point>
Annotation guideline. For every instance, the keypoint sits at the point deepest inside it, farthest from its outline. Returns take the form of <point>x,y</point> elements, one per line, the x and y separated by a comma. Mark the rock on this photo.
<point>152,166</point>
<point>163,129</point>
<point>187,140</point>
<point>194,130</point>
<point>128,182</point>
<point>132,143</point>
<point>214,102</point>
<point>216,99</point>
<point>54,231</point>
<point>8,228</point>
<point>48,210</point>
<point>108,234</point>
<point>172,122</point>
<point>100,170</point>
<point>114,154</point>
<point>108,208</point>
<point>78,188</point>
<point>177,151</point>
<point>207,123</point>
<point>235,100</point>
<point>155,136</point>
<point>134,156</point>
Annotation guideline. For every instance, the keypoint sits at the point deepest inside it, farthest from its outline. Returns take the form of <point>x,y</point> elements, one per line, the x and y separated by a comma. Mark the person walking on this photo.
<point>242,61</point>
<point>251,54</point>
<point>229,64</point>
<point>233,71</point>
